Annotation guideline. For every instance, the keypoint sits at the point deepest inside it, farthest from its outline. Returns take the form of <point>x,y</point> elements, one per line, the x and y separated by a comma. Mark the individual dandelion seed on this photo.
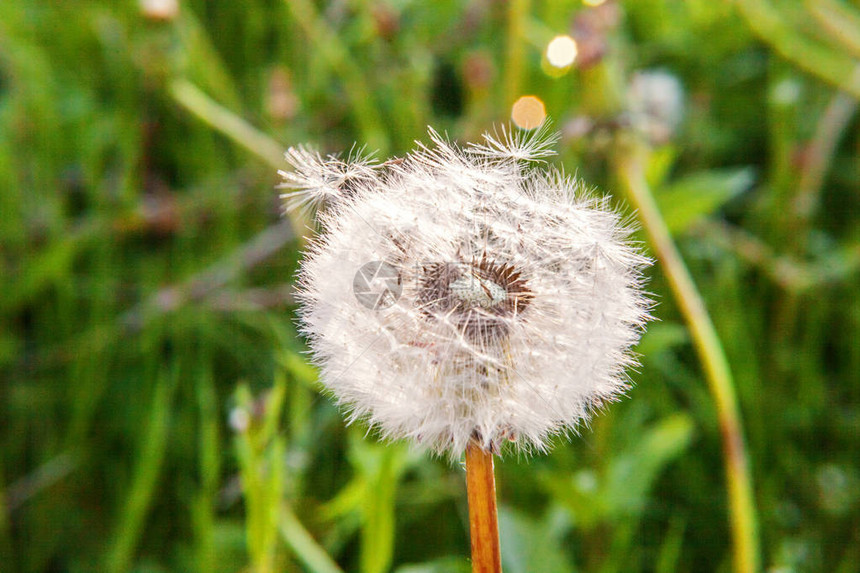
<point>505,297</point>
<point>317,180</point>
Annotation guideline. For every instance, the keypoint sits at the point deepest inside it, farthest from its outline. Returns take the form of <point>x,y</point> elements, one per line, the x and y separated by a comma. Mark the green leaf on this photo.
<point>662,336</point>
<point>581,494</point>
<point>692,197</point>
<point>299,368</point>
<point>660,163</point>
<point>632,474</point>
<point>446,565</point>
<point>380,466</point>
<point>531,545</point>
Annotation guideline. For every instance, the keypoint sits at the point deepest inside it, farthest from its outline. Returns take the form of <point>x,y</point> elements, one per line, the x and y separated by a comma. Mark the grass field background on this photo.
<point>157,412</point>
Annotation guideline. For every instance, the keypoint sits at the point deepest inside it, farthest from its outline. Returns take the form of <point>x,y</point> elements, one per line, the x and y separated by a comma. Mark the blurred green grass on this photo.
<point>149,365</point>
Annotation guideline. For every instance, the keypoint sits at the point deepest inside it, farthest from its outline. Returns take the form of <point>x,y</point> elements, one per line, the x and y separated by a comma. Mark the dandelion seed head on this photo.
<point>512,296</point>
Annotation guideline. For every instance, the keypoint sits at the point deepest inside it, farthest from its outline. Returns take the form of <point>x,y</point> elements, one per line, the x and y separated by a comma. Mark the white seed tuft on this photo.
<point>509,297</point>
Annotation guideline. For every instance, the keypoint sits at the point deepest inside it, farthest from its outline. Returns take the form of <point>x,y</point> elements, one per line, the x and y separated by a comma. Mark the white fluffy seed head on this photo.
<point>463,294</point>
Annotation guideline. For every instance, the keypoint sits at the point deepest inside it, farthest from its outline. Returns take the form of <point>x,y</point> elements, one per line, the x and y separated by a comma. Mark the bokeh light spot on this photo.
<point>528,112</point>
<point>159,9</point>
<point>561,51</point>
<point>593,2</point>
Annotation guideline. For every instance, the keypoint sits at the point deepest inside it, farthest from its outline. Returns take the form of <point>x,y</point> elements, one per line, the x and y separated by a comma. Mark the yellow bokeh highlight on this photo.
<point>528,112</point>
<point>561,51</point>
<point>593,2</point>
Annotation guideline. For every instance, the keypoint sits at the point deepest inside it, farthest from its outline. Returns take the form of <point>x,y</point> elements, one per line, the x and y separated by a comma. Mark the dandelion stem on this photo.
<point>483,519</point>
<point>742,513</point>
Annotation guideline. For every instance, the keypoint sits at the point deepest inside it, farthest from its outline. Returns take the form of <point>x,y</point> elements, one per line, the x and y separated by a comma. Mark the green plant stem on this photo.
<point>629,163</point>
<point>237,129</point>
<point>309,552</point>
<point>517,14</point>
<point>821,150</point>
<point>227,122</point>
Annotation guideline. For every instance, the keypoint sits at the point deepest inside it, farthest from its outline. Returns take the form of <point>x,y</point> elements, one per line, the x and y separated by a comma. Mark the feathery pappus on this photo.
<point>466,293</point>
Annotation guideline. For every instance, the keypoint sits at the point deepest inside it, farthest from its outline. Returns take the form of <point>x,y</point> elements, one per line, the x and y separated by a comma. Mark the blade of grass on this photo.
<point>153,446</point>
<point>517,15</point>
<point>829,131</point>
<point>379,469</point>
<point>237,129</point>
<point>309,552</point>
<point>203,512</point>
<point>833,67</point>
<point>629,164</point>
<point>261,452</point>
<point>378,528</point>
<point>840,20</point>
<point>669,557</point>
<point>43,477</point>
<point>227,122</point>
<point>261,474</point>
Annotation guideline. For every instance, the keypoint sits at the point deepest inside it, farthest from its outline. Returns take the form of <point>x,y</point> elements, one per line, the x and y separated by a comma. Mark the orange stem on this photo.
<point>483,520</point>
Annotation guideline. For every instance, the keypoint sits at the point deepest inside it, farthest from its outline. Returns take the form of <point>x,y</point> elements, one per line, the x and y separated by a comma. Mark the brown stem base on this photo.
<point>483,520</point>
